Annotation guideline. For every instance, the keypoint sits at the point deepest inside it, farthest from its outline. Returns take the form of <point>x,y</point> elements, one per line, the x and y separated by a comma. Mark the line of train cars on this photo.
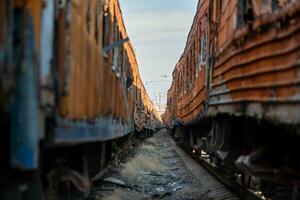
<point>235,93</point>
<point>70,92</point>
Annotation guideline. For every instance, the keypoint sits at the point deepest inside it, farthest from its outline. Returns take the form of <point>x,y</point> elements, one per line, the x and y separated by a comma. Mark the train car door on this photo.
<point>25,106</point>
<point>46,56</point>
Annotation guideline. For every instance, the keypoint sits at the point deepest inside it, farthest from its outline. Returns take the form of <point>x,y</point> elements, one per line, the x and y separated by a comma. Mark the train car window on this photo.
<point>181,81</point>
<point>97,22</point>
<point>116,50</point>
<point>177,80</point>
<point>206,33</point>
<point>203,51</point>
<point>130,77</point>
<point>67,62</point>
<point>119,62</point>
<point>267,6</point>
<point>121,58</point>
<point>245,13</point>
<point>123,66</point>
<point>194,61</point>
<point>140,99</point>
<point>61,4</point>
<point>192,67</point>
<point>129,81</point>
<point>217,10</point>
<point>106,23</point>
<point>88,15</point>
<point>47,54</point>
<point>188,66</point>
<point>126,66</point>
<point>199,60</point>
<point>204,41</point>
<point>186,77</point>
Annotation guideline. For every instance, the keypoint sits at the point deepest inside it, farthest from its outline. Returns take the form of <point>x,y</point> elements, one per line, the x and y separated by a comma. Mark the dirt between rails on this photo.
<point>153,170</point>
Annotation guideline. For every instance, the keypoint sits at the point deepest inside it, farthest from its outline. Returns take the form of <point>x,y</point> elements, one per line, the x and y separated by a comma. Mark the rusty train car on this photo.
<point>147,117</point>
<point>235,91</point>
<point>70,93</point>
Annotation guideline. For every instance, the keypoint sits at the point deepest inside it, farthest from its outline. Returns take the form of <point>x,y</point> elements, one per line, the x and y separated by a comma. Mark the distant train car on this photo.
<point>69,84</point>
<point>235,91</point>
<point>143,110</point>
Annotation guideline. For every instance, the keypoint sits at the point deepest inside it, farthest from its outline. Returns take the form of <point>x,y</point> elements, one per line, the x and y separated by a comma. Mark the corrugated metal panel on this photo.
<point>256,71</point>
<point>96,84</point>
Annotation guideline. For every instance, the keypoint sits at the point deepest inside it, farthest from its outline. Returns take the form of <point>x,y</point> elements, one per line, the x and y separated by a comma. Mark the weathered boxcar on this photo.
<point>69,85</point>
<point>238,86</point>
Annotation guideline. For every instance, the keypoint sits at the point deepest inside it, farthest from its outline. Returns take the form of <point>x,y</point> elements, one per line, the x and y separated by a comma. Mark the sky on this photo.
<point>158,30</point>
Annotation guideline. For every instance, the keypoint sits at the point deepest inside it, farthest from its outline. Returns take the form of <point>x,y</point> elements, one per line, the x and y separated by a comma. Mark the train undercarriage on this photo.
<point>65,172</point>
<point>259,155</point>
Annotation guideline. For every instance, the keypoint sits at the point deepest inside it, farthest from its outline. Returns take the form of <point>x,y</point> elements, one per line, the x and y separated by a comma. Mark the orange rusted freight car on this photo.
<point>95,77</point>
<point>141,104</point>
<point>70,93</point>
<point>19,46</point>
<point>238,85</point>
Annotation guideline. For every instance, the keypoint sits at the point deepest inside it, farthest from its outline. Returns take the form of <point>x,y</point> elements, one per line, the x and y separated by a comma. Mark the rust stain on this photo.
<point>86,82</point>
<point>250,61</point>
<point>95,87</point>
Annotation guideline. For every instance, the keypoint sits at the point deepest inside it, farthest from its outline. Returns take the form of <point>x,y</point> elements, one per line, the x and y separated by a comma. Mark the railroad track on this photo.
<point>239,191</point>
<point>235,187</point>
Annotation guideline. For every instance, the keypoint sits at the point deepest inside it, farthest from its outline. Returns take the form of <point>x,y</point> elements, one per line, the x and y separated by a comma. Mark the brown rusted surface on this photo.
<point>228,23</point>
<point>95,86</point>
<point>253,68</point>
<point>92,84</point>
<point>189,74</point>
